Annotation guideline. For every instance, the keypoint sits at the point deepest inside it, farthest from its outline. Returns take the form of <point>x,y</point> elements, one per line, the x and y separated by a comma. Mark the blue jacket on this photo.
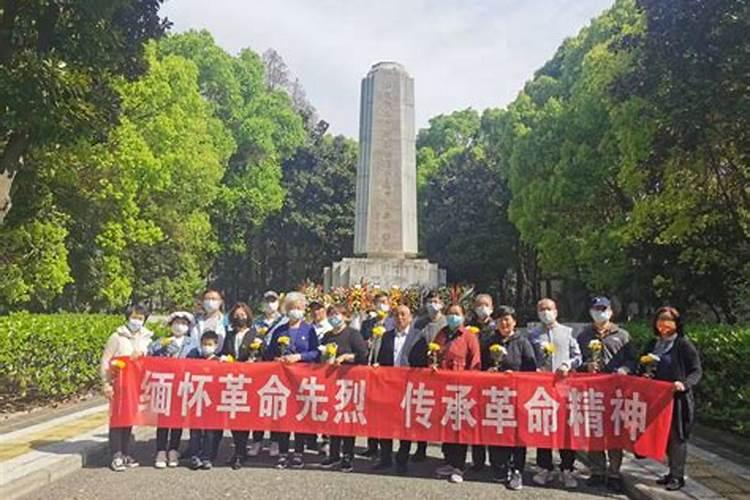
<point>302,340</point>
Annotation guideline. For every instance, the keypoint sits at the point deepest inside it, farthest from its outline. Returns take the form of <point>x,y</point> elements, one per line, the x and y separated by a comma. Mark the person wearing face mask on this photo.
<point>459,351</point>
<point>319,318</point>
<point>204,443</point>
<point>680,364</point>
<point>131,339</point>
<point>508,462</point>
<point>302,347</point>
<point>237,345</point>
<point>615,356</point>
<point>482,320</point>
<point>351,349</point>
<point>564,357</point>
<point>211,319</point>
<point>177,345</point>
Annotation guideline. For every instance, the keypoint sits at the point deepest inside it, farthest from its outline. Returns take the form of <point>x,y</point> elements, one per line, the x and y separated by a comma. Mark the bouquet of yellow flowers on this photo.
<point>255,349</point>
<point>329,355</point>
<point>283,342</point>
<point>650,362</point>
<point>433,354</point>
<point>596,347</point>
<point>497,353</point>
<point>473,329</point>
<point>262,331</point>
<point>117,364</point>
<point>548,349</point>
<point>378,332</point>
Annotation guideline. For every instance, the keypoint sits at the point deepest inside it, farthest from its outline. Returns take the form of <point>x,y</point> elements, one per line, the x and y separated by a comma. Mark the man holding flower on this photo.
<point>605,348</point>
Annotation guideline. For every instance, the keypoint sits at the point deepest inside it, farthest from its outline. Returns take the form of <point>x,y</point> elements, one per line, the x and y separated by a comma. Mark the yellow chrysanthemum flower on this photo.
<point>118,363</point>
<point>596,345</point>
<point>331,349</point>
<point>433,347</point>
<point>378,331</point>
<point>284,340</point>
<point>473,329</point>
<point>256,344</point>
<point>548,348</point>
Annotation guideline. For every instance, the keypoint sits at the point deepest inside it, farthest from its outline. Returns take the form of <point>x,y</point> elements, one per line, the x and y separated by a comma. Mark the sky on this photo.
<point>461,53</point>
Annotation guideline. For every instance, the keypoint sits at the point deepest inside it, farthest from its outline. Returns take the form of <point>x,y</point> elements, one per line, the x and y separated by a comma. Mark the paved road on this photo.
<point>260,478</point>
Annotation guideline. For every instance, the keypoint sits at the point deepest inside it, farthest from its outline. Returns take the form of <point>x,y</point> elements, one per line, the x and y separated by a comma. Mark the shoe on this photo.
<point>273,450</point>
<point>614,484</point>
<point>500,475</point>
<point>664,480</point>
<point>401,468</point>
<point>130,462</point>
<point>383,465</point>
<point>330,462</point>
<point>161,460</point>
<point>369,453</point>
<point>595,481</point>
<point>568,480</point>
<point>195,463</point>
<point>297,462</point>
<point>254,449</point>
<point>457,477</point>
<point>674,484</point>
<point>543,477</point>
<point>118,463</point>
<point>419,457</point>
<point>206,465</point>
<point>445,471</point>
<point>516,480</point>
<point>346,465</point>
<point>282,463</point>
<point>173,458</point>
<point>236,462</point>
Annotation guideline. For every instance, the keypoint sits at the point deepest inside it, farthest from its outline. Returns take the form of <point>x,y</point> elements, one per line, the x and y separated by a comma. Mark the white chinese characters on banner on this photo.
<point>233,398</point>
<point>273,398</point>
<point>629,414</point>
<point>499,412</point>
<point>156,393</point>
<point>350,393</point>
<point>586,409</point>
<point>192,390</point>
<point>418,403</point>
<point>458,407</point>
<point>542,412</point>
<point>308,395</point>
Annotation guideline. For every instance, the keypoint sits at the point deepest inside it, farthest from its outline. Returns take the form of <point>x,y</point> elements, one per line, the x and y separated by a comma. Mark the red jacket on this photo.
<point>463,353</point>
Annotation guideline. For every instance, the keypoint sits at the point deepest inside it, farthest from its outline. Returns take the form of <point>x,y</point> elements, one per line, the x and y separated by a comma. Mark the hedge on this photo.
<point>53,357</point>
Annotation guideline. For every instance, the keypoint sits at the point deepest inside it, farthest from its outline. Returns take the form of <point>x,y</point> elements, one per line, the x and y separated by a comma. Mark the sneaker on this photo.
<point>282,463</point>
<point>614,484</point>
<point>568,480</point>
<point>130,462</point>
<point>273,450</point>
<point>254,449</point>
<point>195,463</point>
<point>543,477</point>
<point>118,463</point>
<point>516,480</point>
<point>595,481</point>
<point>161,460</point>
<point>664,480</point>
<point>236,462</point>
<point>297,462</point>
<point>206,465</point>
<point>456,477</point>
<point>173,458</point>
<point>500,474</point>
<point>346,465</point>
<point>674,484</point>
<point>330,462</point>
<point>445,471</point>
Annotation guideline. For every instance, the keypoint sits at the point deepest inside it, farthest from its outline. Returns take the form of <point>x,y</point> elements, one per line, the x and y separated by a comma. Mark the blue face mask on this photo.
<point>336,321</point>
<point>454,321</point>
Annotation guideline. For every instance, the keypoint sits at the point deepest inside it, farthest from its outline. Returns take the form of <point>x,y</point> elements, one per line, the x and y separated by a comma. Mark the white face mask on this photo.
<point>547,316</point>
<point>600,317</point>
<point>211,305</point>
<point>434,307</point>
<point>135,325</point>
<point>384,307</point>
<point>208,350</point>
<point>483,311</point>
<point>296,314</point>
<point>179,329</point>
<point>270,307</point>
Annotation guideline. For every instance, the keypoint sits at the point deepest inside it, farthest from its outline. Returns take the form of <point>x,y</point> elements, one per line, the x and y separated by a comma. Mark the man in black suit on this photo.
<point>393,353</point>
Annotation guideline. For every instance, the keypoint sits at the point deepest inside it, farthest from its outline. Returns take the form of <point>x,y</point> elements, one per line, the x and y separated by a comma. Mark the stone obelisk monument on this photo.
<point>385,227</point>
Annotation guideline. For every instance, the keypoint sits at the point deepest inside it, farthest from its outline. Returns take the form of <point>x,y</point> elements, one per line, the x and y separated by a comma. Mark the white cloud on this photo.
<point>461,53</point>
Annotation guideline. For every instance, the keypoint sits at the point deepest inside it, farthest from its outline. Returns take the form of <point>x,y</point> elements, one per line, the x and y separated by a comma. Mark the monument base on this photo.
<point>383,272</point>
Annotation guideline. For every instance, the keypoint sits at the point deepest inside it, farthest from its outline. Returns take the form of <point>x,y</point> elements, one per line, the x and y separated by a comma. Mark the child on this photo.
<point>131,339</point>
<point>175,346</point>
<point>204,443</point>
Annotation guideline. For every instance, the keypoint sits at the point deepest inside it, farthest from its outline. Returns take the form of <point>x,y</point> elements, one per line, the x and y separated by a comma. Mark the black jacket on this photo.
<point>520,355</point>
<point>417,354</point>
<point>244,351</point>
<point>349,341</point>
<point>686,367</point>
<point>618,350</point>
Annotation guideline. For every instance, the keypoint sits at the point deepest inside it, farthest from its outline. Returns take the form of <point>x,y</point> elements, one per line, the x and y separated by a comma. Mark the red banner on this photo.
<point>580,412</point>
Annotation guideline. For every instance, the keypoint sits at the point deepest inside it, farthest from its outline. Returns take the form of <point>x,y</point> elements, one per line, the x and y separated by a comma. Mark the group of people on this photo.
<point>214,334</point>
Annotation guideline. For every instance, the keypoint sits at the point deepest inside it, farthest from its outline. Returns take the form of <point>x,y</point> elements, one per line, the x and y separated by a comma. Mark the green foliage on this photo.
<point>723,395</point>
<point>51,357</point>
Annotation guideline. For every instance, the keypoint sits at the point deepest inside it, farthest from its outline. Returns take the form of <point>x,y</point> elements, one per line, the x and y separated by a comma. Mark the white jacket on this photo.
<point>123,342</point>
